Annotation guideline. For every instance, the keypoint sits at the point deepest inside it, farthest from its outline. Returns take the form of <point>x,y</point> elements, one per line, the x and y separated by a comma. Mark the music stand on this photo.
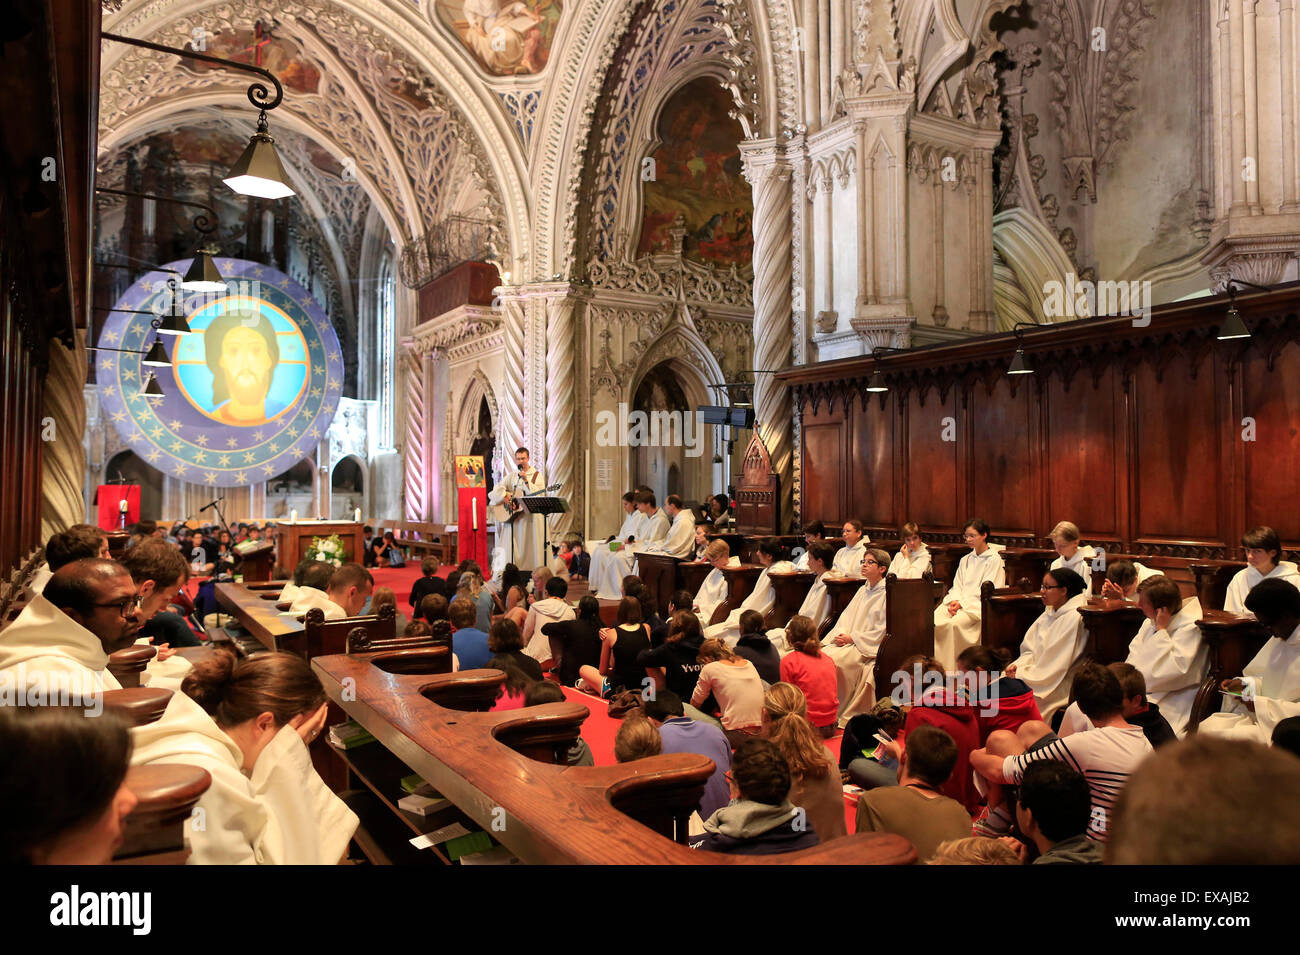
<point>545,505</point>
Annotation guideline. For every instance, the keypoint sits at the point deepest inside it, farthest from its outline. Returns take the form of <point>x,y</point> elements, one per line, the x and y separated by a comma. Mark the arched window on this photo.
<point>386,326</point>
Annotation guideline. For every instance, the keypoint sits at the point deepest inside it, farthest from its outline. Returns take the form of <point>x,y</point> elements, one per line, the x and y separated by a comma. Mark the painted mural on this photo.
<point>259,46</point>
<point>506,37</point>
<point>696,175</point>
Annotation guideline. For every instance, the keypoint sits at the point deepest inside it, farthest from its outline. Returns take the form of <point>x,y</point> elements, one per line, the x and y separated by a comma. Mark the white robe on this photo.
<point>801,563</point>
<point>911,565</point>
<point>1080,563</point>
<point>1275,678</point>
<point>815,607</point>
<point>863,620</point>
<point>524,546</point>
<point>848,560</point>
<point>40,577</point>
<point>954,634</point>
<point>282,814</point>
<point>680,539</point>
<point>1245,580</point>
<point>608,566</point>
<point>309,598</point>
<point>44,647</point>
<point>713,592</point>
<point>1052,648</point>
<point>1173,662</point>
<point>761,599</point>
<point>654,529</point>
<point>549,610</point>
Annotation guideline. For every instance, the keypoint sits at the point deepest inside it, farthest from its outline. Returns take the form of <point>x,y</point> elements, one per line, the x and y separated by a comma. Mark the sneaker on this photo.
<point>992,823</point>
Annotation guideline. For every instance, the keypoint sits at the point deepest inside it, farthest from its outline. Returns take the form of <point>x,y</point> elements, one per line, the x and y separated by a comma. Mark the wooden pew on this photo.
<point>740,584</point>
<point>842,591</point>
<point>1111,626</point>
<point>166,794</point>
<point>791,589</point>
<point>423,538</point>
<point>662,576</point>
<point>944,559</point>
<point>1212,578</point>
<point>909,626</point>
<point>1030,563</point>
<point>693,576</point>
<point>1234,641</point>
<point>1006,614</point>
<point>543,813</point>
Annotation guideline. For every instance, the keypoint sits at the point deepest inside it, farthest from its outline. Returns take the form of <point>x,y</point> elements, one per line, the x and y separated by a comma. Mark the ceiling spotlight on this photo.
<point>877,383</point>
<point>258,172</point>
<point>203,274</point>
<point>1019,366</point>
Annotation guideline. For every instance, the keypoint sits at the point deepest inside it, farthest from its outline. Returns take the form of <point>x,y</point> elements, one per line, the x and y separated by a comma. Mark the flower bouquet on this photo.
<point>327,549</point>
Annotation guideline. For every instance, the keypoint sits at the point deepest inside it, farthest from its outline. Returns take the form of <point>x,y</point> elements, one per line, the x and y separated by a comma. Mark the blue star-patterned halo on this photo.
<point>251,391</point>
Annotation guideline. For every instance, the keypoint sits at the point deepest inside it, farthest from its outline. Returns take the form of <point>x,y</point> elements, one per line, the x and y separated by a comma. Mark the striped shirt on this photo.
<point>1105,756</point>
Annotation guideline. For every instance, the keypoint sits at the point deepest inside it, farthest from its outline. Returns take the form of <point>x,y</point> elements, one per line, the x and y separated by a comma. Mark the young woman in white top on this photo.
<point>1263,552</point>
<point>913,558</point>
<point>957,618</point>
<point>1072,555</point>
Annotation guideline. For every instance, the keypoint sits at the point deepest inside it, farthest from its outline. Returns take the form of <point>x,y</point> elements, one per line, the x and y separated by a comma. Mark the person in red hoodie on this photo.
<point>923,690</point>
<point>1001,702</point>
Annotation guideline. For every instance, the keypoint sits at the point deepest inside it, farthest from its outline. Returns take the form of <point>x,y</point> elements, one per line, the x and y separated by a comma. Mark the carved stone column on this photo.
<point>511,398</point>
<point>417,473</point>
<point>561,404</point>
<point>64,457</point>
<point>1256,234</point>
<point>769,172</point>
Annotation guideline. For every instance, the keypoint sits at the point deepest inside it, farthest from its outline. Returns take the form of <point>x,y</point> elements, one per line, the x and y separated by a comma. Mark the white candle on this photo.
<point>293,516</point>
<point>473,509</point>
<point>357,515</point>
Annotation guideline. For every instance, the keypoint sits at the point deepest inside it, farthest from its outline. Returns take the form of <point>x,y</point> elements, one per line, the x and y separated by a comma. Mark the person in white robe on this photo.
<point>611,560</point>
<point>855,638</point>
<point>522,537</point>
<point>1054,643</point>
<point>267,805</point>
<point>1169,650</point>
<point>913,558</point>
<point>815,531</point>
<point>817,603</point>
<point>552,608</point>
<point>957,618</point>
<point>848,559</point>
<point>1263,549</point>
<point>1269,688</point>
<point>713,591</point>
<point>67,653</point>
<point>159,572</point>
<point>1071,554</point>
<point>680,538</point>
<point>760,600</point>
<point>78,542</point>
<point>1123,577</point>
<point>309,598</point>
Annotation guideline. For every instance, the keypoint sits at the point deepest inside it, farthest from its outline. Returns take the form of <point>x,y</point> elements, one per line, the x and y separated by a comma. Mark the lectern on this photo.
<point>292,541</point>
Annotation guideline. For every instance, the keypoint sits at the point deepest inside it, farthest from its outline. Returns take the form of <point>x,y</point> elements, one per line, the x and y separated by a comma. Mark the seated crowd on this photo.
<point>976,755</point>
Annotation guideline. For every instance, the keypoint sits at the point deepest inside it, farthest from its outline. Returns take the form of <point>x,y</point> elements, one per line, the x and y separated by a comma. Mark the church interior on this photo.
<point>678,432</point>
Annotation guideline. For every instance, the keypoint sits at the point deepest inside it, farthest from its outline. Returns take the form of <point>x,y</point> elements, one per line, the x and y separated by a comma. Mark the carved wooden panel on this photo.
<point>823,459</point>
<point>1271,460</point>
<point>871,452</point>
<point>932,473</point>
<point>1003,463</point>
<point>1085,456</point>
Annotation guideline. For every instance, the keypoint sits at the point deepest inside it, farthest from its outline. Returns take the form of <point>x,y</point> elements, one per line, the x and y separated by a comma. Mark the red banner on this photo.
<point>109,498</point>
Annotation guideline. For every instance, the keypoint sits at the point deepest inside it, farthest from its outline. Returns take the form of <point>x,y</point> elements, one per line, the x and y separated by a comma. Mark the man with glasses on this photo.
<point>1054,643</point>
<point>854,639</point>
<point>159,572</point>
<point>63,637</point>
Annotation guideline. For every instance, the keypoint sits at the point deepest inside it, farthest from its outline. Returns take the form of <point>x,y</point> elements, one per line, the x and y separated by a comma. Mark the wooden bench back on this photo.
<point>909,626</point>
<point>1006,613</point>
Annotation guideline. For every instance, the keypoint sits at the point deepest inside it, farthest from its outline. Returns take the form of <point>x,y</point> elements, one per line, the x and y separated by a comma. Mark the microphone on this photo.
<point>211,504</point>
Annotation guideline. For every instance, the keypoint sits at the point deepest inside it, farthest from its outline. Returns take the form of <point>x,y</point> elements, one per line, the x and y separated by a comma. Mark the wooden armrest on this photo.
<point>474,690</point>
<point>127,664</point>
<point>166,794</point>
<point>139,705</point>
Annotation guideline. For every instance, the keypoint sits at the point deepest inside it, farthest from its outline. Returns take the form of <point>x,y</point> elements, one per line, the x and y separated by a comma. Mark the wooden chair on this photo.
<point>1212,579</point>
<point>1111,626</point>
<point>740,584</point>
<point>791,589</point>
<point>842,591</point>
<point>662,576</point>
<point>1006,614</point>
<point>758,493</point>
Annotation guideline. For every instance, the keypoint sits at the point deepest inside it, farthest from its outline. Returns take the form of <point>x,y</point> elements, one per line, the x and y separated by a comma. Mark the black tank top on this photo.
<point>625,672</point>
